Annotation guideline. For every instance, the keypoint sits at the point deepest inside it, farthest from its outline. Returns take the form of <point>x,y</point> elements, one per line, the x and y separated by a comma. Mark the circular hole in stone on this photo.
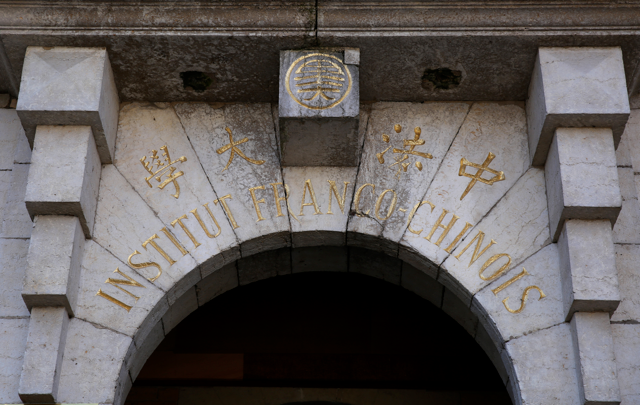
<point>196,81</point>
<point>441,78</point>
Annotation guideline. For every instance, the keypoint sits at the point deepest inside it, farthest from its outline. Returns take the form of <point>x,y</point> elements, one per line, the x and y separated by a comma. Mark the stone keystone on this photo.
<point>319,107</point>
<point>70,86</point>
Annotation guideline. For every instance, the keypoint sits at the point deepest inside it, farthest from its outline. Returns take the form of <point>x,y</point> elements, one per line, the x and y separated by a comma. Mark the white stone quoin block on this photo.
<point>588,266</point>
<point>596,361</point>
<point>43,355</point>
<point>581,177</point>
<point>65,174</point>
<point>53,269</point>
<point>70,86</point>
<point>575,87</point>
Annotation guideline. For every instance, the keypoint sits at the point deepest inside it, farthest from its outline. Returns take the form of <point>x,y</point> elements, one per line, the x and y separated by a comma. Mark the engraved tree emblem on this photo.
<point>159,167</point>
<point>318,81</point>
<point>464,163</point>
<point>403,161</point>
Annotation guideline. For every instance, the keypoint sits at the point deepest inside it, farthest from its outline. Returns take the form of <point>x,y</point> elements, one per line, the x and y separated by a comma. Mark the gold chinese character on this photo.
<point>498,176</point>
<point>235,150</point>
<point>402,160</point>
<point>163,167</point>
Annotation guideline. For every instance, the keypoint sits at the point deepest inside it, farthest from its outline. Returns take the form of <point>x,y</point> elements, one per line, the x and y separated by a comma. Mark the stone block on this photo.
<point>575,87</point>
<point>65,174</point>
<point>53,263</point>
<point>459,311</point>
<point>375,264</point>
<point>216,283</point>
<point>12,269</point>
<point>43,355</point>
<point>319,107</point>
<point>417,281</point>
<point>13,335</point>
<point>626,341</point>
<point>595,358</point>
<point>16,222</point>
<point>588,267</point>
<point>264,265</point>
<point>70,86</point>
<point>581,177</point>
<point>322,258</point>
<point>544,367</point>
<point>146,349</point>
<point>627,259</point>
<point>12,134</point>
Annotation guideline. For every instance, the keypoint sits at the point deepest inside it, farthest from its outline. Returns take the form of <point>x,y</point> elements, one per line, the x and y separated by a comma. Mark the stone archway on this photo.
<point>231,200</point>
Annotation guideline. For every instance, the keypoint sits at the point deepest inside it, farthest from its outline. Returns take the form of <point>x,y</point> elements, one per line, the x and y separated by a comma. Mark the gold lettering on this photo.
<point>204,228</point>
<point>117,283</point>
<point>252,190</point>
<point>223,202</point>
<point>507,283</point>
<point>138,266</point>
<point>475,256</point>
<point>333,190</point>
<point>413,212</point>
<point>457,239</point>
<point>174,241</point>
<point>184,228</point>
<point>446,229</point>
<point>498,272</point>
<point>278,199</point>
<point>314,202</point>
<point>151,242</point>
<point>356,204</point>
<point>392,207</point>
<point>525,295</point>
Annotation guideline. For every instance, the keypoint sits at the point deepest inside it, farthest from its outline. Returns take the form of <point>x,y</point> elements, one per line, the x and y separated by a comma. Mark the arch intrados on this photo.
<point>412,272</point>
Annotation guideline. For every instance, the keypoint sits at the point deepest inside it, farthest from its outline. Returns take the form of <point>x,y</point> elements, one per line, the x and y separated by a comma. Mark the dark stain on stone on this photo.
<point>441,78</point>
<point>196,81</point>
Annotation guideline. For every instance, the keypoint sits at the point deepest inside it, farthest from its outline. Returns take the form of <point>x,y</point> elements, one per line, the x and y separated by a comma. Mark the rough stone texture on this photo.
<point>544,366</point>
<point>13,334</point>
<point>375,264</point>
<point>627,259</point>
<point>16,222</point>
<point>439,124</point>
<point>575,87</point>
<point>323,258</point>
<point>319,228</point>
<point>593,346</point>
<point>91,364</point>
<point>122,233</point>
<point>70,86</point>
<point>12,268</point>
<point>216,283</point>
<point>488,128</point>
<point>65,174</point>
<point>180,309</point>
<point>417,281</point>
<point>53,263</point>
<point>626,228</point>
<point>632,139</point>
<point>519,224</point>
<point>43,355</point>
<point>543,270</point>
<point>99,265</point>
<point>589,275</point>
<point>322,131</point>
<point>626,342</point>
<point>205,126</point>
<point>582,178</point>
<point>263,265</point>
<point>12,134</point>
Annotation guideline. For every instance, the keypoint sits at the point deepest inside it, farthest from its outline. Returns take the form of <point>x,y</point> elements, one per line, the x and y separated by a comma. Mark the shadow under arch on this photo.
<point>414,275</point>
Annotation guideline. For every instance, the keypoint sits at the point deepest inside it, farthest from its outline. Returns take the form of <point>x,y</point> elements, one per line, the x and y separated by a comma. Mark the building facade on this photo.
<point>473,162</point>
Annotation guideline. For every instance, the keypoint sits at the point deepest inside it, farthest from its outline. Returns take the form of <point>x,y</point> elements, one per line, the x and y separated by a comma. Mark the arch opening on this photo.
<point>337,324</point>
